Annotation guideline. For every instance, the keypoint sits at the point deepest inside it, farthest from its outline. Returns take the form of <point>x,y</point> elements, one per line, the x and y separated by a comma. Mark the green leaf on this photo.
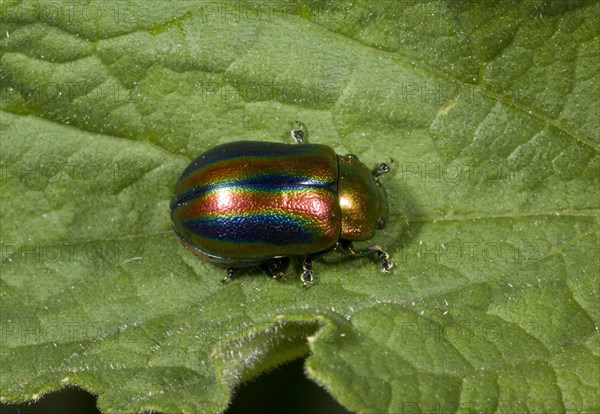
<point>489,111</point>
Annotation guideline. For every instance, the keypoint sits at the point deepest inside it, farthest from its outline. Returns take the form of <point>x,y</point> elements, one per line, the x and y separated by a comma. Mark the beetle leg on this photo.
<point>384,259</point>
<point>229,274</point>
<point>299,133</point>
<point>275,268</point>
<point>347,247</point>
<point>307,274</point>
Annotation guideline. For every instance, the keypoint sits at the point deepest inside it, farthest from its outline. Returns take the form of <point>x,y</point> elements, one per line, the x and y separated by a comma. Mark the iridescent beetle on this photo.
<point>251,203</point>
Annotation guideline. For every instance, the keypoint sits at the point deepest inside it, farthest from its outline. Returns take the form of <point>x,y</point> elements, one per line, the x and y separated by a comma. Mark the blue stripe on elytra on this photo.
<point>266,229</point>
<point>246,149</point>
<point>263,183</point>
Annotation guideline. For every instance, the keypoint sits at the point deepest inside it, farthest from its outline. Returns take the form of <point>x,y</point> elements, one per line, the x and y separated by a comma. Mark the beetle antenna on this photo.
<point>383,168</point>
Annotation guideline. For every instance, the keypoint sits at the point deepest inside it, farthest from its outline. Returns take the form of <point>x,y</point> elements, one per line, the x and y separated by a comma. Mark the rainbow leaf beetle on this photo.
<point>250,203</point>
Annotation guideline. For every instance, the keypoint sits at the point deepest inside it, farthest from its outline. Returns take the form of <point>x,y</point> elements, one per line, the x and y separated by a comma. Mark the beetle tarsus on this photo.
<point>229,275</point>
<point>347,248</point>
<point>307,274</point>
<point>384,259</point>
<point>299,133</point>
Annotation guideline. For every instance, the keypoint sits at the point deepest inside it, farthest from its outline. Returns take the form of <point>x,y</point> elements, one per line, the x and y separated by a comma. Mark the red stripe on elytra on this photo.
<point>317,206</point>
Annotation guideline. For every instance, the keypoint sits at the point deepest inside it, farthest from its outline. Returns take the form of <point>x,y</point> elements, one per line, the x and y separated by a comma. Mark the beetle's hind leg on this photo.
<point>307,273</point>
<point>275,268</point>
<point>299,132</point>
<point>347,247</point>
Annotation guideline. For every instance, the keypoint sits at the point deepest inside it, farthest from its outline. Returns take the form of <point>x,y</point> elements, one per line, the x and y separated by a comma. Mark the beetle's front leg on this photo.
<point>307,274</point>
<point>347,247</point>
